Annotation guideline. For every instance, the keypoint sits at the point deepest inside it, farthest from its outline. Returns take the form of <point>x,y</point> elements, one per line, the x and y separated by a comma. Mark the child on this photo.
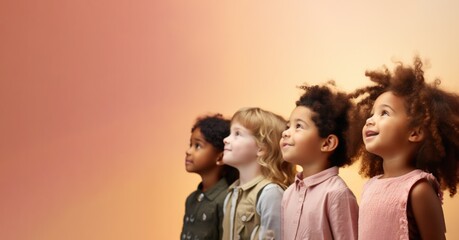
<point>319,205</point>
<point>252,207</point>
<point>412,141</point>
<point>204,207</point>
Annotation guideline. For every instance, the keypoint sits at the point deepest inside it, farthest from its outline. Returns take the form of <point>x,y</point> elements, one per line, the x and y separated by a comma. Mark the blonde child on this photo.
<point>252,207</point>
<point>411,137</point>
<point>204,207</point>
<point>319,205</point>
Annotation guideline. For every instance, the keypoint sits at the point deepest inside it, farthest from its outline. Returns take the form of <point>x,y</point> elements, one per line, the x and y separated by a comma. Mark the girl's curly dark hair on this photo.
<point>214,129</point>
<point>429,107</point>
<point>331,110</point>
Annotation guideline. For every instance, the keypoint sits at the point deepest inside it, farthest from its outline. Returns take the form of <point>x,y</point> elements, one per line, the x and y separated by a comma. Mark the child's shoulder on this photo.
<point>192,196</point>
<point>335,184</point>
<point>216,193</point>
<point>272,188</point>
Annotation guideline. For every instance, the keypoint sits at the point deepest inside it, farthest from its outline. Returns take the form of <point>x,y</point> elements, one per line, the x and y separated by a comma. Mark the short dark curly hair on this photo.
<point>331,110</point>
<point>214,129</point>
<point>429,107</point>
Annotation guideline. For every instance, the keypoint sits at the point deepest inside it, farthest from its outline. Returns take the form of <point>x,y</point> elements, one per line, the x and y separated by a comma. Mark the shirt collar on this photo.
<point>213,192</point>
<point>316,178</point>
<point>252,183</point>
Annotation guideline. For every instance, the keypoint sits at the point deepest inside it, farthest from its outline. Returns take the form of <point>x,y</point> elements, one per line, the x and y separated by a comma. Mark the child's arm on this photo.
<point>269,208</point>
<point>343,214</point>
<point>427,211</point>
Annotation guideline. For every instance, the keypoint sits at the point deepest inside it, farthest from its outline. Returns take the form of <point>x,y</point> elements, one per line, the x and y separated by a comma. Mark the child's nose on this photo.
<point>285,133</point>
<point>188,151</point>
<point>369,121</point>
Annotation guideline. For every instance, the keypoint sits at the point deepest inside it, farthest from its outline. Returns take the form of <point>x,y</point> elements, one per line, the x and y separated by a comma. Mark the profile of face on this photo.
<point>300,142</point>
<point>387,128</point>
<point>240,146</point>
<point>201,156</point>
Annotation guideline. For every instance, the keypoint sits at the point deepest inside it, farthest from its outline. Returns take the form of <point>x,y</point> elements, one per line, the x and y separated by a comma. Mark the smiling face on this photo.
<point>387,129</point>
<point>240,146</point>
<point>201,156</point>
<point>301,142</point>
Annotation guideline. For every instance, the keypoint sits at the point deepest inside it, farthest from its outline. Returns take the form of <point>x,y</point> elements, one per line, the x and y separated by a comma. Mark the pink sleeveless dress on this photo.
<point>383,207</point>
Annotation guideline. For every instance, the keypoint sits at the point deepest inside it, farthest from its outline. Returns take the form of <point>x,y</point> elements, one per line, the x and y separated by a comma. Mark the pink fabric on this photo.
<point>383,206</point>
<point>319,207</point>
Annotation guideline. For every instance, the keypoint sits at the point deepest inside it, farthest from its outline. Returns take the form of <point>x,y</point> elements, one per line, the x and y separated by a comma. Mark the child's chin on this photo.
<point>371,150</point>
<point>290,160</point>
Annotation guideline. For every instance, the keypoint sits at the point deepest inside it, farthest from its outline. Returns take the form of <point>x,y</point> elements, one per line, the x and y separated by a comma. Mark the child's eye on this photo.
<point>197,146</point>
<point>384,113</point>
<point>287,126</point>
<point>298,126</point>
<point>237,133</point>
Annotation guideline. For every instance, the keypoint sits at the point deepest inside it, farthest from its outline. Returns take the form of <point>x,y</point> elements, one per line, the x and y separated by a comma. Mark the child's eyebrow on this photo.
<point>241,130</point>
<point>199,140</point>
<point>301,120</point>
<point>386,105</point>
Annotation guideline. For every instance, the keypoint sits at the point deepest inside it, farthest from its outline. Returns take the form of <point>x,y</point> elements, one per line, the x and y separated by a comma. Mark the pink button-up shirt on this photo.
<point>320,206</point>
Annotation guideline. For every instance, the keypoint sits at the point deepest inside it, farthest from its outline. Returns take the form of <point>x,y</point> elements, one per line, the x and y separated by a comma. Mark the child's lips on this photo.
<point>188,161</point>
<point>286,145</point>
<point>370,133</point>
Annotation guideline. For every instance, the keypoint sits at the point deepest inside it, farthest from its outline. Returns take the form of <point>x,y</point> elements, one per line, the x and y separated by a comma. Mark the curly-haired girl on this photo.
<point>204,207</point>
<point>411,137</point>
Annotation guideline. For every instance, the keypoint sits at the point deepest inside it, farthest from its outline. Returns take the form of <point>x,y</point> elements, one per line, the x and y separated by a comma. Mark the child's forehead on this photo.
<point>197,134</point>
<point>302,112</point>
<point>389,99</point>
<point>238,125</point>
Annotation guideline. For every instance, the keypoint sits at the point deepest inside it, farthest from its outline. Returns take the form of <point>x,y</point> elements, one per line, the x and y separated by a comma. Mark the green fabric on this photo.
<point>204,213</point>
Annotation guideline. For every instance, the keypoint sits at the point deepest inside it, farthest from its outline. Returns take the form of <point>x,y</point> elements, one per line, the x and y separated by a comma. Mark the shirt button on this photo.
<point>243,218</point>
<point>187,219</point>
<point>200,197</point>
<point>184,236</point>
<point>192,218</point>
<point>204,217</point>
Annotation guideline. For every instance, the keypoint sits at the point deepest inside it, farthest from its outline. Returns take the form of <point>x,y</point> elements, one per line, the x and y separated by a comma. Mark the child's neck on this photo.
<point>396,166</point>
<point>315,167</point>
<point>209,179</point>
<point>248,172</point>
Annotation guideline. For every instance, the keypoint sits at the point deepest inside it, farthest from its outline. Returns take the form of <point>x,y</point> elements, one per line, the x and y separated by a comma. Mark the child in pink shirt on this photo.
<point>318,205</point>
<point>411,135</point>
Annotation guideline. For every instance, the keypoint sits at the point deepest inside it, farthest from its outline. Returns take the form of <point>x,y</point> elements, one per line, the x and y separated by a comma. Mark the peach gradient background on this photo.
<point>97,97</point>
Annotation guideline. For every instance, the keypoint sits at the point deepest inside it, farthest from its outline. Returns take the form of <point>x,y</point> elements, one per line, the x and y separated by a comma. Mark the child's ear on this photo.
<point>417,135</point>
<point>330,143</point>
<point>261,151</point>
<point>219,161</point>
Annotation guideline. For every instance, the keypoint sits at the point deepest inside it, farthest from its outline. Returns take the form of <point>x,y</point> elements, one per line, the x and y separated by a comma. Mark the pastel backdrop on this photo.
<point>97,98</point>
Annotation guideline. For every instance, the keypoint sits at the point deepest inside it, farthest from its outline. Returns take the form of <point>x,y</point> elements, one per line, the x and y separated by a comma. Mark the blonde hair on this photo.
<point>267,129</point>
